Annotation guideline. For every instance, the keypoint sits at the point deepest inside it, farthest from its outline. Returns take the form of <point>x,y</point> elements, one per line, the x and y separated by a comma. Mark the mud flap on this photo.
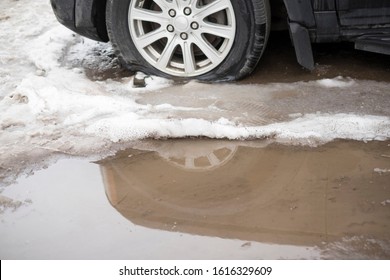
<point>302,44</point>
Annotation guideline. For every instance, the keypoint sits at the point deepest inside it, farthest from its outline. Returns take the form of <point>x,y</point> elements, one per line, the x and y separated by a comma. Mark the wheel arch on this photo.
<point>99,16</point>
<point>86,17</point>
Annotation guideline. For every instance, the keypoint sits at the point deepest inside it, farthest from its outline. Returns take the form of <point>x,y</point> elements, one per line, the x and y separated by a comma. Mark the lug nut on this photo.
<point>194,25</point>
<point>170,28</point>
<point>172,13</point>
<point>187,11</point>
<point>184,36</point>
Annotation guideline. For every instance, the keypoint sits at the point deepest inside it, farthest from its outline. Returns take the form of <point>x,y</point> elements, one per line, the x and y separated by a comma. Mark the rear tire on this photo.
<point>210,40</point>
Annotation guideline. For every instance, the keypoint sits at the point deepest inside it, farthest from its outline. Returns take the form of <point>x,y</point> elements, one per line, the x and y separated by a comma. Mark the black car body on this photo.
<point>364,22</point>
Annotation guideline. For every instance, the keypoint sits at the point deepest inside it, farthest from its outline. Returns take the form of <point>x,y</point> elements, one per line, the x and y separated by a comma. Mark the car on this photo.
<point>220,40</point>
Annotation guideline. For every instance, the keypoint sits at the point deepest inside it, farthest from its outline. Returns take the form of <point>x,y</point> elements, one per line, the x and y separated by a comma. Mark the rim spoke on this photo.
<point>220,30</point>
<point>212,8</point>
<point>193,4</point>
<point>179,4</point>
<point>188,58</point>
<point>189,163</point>
<point>151,37</point>
<point>207,49</point>
<point>168,52</point>
<point>162,4</point>
<point>214,161</point>
<point>148,15</point>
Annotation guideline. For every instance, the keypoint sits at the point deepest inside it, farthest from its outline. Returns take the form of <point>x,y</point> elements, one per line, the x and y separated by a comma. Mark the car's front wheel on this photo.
<point>203,39</point>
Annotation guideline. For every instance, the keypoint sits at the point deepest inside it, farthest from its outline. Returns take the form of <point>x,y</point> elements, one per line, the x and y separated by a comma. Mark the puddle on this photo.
<point>205,199</point>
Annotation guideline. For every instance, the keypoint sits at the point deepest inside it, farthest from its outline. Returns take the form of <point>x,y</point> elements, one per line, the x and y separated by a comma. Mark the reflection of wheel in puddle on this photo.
<point>206,161</point>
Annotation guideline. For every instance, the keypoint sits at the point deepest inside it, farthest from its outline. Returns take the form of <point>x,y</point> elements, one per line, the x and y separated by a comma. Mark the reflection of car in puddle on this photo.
<point>274,194</point>
<point>209,155</point>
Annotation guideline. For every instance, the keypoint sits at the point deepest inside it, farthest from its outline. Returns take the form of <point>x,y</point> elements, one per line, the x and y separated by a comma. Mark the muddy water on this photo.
<point>269,194</point>
<point>205,199</point>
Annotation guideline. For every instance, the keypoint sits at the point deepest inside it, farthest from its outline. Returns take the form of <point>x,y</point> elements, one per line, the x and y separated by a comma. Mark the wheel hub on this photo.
<point>181,24</point>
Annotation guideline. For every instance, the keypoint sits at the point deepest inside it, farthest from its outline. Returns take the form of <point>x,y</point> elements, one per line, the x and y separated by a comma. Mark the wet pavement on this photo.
<point>279,65</point>
<point>205,199</point>
<point>259,105</point>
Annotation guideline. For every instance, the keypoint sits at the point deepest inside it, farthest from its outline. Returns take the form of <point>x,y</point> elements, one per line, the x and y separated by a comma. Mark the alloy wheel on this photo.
<point>183,38</point>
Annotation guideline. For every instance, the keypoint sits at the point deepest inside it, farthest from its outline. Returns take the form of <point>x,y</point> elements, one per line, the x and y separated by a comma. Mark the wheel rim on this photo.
<point>184,38</point>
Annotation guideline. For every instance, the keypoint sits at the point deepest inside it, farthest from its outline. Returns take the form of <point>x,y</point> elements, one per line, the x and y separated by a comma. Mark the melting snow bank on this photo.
<point>311,129</point>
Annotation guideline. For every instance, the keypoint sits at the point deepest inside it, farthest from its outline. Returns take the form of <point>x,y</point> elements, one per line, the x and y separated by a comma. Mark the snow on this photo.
<point>381,170</point>
<point>312,127</point>
<point>385,202</point>
<point>338,82</point>
<point>49,104</point>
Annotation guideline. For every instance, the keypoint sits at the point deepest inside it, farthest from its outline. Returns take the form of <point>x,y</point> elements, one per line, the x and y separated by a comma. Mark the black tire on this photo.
<point>252,21</point>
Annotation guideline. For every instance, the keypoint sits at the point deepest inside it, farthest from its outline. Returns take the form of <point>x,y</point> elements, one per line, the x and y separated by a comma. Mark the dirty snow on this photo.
<point>338,82</point>
<point>381,170</point>
<point>385,202</point>
<point>51,104</point>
